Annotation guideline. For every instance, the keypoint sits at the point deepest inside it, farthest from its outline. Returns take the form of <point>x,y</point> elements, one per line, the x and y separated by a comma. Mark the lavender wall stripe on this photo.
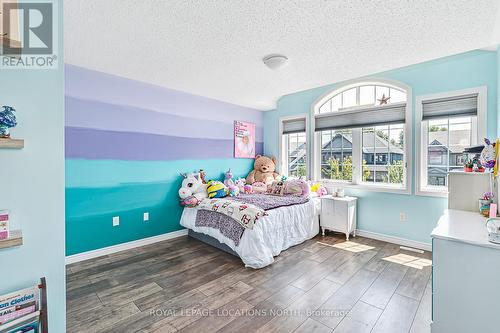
<point>113,117</point>
<point>118,90</point>
<point>112,145</point>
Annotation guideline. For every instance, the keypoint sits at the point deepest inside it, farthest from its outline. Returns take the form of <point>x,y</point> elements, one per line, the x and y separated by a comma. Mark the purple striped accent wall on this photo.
<point>89,143</point>
<point>105,116</point>
<point>113,118</point>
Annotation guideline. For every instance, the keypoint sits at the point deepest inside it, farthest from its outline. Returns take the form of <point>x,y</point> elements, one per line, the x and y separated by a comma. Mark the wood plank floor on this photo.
<point>183,285</point>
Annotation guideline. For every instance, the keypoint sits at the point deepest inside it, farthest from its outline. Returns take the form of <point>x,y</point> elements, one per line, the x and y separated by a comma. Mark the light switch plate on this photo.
<point>146,216</point>
<point>116,221</point>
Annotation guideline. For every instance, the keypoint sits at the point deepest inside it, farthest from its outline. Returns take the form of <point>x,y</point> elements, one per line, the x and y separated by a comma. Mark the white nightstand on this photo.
<point>338,214</point>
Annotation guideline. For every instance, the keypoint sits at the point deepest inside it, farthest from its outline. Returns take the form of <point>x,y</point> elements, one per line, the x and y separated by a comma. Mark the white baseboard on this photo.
<point>395,240</point>
<point>124,246</point>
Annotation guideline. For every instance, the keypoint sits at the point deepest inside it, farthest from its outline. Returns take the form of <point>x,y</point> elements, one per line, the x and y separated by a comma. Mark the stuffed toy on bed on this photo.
<point>216,189</point>
<point>192,185</point>
<point>263,171</point>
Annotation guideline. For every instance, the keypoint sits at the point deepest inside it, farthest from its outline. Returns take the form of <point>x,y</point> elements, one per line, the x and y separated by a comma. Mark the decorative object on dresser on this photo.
<point>484,203</point>
<point>493,226</point>
<point>338,214</point>
<point>488,155</point>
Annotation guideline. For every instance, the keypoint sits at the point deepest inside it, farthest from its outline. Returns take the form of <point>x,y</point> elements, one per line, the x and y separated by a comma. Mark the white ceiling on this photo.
<point>214,48</point>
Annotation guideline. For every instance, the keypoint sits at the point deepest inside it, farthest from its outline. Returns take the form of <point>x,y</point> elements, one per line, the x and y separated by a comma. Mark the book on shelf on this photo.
<point>18,305</point>
<point>27,324</point>
<point>4,224</point>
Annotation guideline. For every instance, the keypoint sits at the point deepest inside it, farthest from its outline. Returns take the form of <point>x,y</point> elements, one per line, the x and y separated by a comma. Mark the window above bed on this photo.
<point>293,147</point>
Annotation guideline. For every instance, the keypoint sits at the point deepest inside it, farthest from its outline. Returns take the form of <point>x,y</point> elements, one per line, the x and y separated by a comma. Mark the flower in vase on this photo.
<point>7,120</point>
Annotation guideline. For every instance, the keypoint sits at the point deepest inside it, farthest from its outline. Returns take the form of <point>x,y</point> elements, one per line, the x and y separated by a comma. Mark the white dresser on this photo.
<point>465,275</point>
<point>338,214</point>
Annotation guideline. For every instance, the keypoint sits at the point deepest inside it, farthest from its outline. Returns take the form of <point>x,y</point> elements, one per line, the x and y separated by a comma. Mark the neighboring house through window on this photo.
<point>294,146</point>
<point>447,123</point>
<point>361,132</point>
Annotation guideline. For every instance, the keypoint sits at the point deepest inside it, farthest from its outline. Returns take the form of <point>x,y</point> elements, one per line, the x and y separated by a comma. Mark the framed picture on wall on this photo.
<point>244,139</point>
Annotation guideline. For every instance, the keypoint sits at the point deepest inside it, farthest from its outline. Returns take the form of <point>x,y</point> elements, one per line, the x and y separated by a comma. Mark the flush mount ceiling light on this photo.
<point>275,61</point>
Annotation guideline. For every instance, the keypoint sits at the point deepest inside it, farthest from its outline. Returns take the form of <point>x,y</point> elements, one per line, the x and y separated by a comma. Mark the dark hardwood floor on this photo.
<point>322,285</point>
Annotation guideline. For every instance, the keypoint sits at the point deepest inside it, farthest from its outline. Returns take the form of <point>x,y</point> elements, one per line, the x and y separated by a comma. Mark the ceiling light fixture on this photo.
<point>275,61</point>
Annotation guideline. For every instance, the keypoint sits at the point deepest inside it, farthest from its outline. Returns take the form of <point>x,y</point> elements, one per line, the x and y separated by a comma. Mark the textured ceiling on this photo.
<point>214,48</point>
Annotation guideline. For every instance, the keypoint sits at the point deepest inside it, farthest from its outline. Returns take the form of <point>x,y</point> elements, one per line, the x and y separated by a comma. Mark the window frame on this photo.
<point>421,129</point>
<point>357,154</point>
<point>282,160</point>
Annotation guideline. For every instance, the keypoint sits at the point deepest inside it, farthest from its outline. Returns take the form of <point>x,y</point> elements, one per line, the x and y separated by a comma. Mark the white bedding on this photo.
<point>282,228</point>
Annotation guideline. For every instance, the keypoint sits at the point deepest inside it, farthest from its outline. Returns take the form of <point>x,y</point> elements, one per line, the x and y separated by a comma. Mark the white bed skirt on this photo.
<point>282,228</point>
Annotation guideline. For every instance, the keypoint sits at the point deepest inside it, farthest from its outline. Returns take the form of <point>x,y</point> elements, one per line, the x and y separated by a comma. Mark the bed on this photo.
<point>280,229</point>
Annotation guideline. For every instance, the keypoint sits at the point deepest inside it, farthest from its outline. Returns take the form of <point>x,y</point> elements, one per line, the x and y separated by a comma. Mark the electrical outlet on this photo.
<point>146,216</point>
<point>402,217</point>
<point>116,221</point>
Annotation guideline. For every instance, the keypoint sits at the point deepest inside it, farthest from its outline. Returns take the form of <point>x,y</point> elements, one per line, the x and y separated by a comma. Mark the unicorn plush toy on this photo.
<point>234,190</point>
<point>228,178</point>
<point>192,185</point>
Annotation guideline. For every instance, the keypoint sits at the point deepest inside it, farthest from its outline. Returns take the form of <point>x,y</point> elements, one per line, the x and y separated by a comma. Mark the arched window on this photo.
<point>368,94</point>
<point>361,135</point>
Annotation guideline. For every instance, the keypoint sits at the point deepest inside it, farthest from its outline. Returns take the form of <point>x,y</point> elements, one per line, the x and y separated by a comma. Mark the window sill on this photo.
<point>432,192</point>
<point>367,187</point>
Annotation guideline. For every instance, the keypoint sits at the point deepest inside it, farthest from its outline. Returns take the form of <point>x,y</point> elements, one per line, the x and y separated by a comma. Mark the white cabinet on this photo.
<point>465,273</point>
<point>338,214</point>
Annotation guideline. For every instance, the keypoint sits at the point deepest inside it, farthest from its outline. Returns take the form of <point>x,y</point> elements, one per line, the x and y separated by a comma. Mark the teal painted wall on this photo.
<point>126,142</point>
<point>98,190</point>
<point>32,183</point>
<point>379,212</point>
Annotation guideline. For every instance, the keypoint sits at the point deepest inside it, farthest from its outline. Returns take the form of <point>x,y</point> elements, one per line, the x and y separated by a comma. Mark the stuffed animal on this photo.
<point>228,178</point>
<point>247,189</point>
<point>192,186</point>
<point>488,155</point>
<point>234,191</point>
<point>240,182</point>
<point>259,187</point>
<point>216,189</point>
<point>190,201</point>
<point>319,189</point>
<point>264,170</point>
<point>203,174</point>
<point>296,187</point>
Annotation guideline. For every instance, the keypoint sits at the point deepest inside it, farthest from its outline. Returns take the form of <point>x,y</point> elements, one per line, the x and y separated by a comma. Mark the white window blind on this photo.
<point>458,106</point>
<point>365,117</point>
<point>294,126</point>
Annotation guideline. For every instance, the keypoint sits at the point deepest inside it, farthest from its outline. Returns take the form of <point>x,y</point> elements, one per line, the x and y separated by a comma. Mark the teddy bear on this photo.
<point>264,170</point>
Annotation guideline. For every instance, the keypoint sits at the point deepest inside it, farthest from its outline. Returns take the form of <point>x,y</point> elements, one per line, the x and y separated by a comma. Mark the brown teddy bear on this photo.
<point>263,170</point>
